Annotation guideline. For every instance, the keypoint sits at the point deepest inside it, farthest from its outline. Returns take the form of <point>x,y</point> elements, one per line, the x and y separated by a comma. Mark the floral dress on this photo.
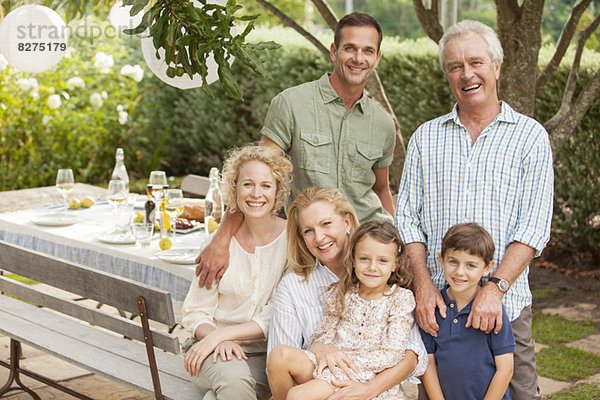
<point>373,333</point>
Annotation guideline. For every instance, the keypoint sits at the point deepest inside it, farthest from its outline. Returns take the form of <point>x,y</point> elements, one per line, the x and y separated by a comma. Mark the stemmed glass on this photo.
<point>173,207</point>
<point>116,194</point>
<point>158,179</point>
<point>64,184</point>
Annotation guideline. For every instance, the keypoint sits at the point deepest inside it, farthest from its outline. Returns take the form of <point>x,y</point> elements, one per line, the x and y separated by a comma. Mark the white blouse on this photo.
<point>243,294</point>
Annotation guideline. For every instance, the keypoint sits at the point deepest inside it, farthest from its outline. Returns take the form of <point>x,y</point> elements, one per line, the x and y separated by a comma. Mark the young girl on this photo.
<point>368,315</point>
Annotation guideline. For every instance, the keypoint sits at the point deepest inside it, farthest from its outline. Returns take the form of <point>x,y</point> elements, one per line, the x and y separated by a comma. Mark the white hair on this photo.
<point>467,26</point>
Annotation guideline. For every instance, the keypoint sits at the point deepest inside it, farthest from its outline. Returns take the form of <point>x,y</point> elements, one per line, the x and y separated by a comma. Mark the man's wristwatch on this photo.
<point>502,284</point>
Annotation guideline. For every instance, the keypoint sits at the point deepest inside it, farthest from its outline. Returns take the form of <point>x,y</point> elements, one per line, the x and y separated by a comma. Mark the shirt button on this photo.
<point>315,139</point>
<point>451,305</point>
<point>455,321</point>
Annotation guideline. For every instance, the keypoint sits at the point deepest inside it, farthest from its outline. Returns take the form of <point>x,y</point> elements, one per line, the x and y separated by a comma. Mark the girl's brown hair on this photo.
<point>383,232</point>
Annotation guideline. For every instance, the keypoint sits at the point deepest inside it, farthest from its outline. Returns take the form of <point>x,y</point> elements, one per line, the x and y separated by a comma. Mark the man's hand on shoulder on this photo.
<point>486,310</point>
<point>212,263</point>
<point>427,298</point>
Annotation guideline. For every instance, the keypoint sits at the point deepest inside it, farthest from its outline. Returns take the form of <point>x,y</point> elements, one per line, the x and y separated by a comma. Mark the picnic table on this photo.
<point>79,242</point>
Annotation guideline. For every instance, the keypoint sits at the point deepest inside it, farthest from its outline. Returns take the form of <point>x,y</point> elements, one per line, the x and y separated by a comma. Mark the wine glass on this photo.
<point>158,179</point>
<point>173,207</point>
<point>64,184</point>
<point>116,194</point>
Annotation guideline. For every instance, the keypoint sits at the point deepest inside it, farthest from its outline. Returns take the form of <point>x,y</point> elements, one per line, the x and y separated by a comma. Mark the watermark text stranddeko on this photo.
<point>84,30</point>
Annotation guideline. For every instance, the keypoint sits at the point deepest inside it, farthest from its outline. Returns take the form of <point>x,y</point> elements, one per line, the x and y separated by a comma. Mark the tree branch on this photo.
<point>565,106</point>
<point>429,19</point>
<point>327,13</point>
<point>563,44</point>
<point>567,125</point>
<point>292,24</point>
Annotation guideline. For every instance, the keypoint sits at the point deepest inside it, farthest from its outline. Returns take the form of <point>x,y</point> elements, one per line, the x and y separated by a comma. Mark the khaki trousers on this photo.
<point>232,380</point>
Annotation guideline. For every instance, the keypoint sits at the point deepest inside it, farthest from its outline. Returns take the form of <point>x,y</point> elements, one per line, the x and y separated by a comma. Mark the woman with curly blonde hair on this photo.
<point>229,322</point>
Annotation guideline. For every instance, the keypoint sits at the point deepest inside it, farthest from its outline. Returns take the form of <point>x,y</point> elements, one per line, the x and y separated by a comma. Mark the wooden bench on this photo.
<point>107,344</point>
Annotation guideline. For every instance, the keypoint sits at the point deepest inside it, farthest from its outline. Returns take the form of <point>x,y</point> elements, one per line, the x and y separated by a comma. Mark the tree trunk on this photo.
<point>520,34</point>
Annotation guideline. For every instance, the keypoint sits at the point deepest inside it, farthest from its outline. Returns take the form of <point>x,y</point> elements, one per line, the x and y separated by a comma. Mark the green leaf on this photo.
<point>138,5</point>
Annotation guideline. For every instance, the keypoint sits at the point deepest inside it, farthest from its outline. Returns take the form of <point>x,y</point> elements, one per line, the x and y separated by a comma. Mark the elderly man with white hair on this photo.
<point>485,163</point>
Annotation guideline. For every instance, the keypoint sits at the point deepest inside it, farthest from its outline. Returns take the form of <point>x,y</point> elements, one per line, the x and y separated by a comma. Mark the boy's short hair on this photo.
<point>472,238</point>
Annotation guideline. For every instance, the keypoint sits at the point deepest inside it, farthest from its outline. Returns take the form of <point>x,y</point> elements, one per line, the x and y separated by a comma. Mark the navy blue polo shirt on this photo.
<point>465,356</point>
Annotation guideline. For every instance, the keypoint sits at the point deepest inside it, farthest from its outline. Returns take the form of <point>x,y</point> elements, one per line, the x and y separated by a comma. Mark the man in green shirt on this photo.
<point>334,134</point>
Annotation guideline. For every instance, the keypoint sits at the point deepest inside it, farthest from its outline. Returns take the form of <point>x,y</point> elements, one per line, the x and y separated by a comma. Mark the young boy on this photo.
<point>467,363</point>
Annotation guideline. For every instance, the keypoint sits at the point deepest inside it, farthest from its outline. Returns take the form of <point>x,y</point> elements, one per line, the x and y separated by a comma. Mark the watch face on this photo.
<point>503,285</point>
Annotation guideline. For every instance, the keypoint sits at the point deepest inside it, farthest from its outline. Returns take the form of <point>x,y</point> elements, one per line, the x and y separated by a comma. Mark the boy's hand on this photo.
<point>486,310</point>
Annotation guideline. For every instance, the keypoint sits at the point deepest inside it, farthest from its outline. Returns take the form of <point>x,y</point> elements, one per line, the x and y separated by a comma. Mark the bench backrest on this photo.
<point>89,283</point>
<point>195,184</point>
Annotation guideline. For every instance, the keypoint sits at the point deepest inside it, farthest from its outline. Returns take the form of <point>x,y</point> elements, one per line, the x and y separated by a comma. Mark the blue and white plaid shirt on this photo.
<point>504,181</point>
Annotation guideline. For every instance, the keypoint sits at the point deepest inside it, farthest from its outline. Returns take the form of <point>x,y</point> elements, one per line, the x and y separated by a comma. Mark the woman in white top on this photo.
<point>229,323</point>
<point>320,221</point>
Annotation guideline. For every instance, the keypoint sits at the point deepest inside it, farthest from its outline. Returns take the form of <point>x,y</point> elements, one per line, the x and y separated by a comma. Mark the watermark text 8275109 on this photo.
<point>42,46</point>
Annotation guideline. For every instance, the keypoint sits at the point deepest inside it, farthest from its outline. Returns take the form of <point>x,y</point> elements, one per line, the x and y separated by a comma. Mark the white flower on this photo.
<point>122,117</point>
<point>53,101</point>
<point>3,106</point>
<point>27,84</point>
<point>46,119</point>
<point>51,90</point>
<point>76,82</point>
<point>3,63</point>
<point>34,94</point>
<point>135,72</point>
<point>103,62</point>
<point>119,108</point>
<point>104,94</point>
<point>96,100</point>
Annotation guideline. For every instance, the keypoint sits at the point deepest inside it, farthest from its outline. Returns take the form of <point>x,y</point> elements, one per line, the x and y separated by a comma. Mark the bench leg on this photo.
<point>14,375</point>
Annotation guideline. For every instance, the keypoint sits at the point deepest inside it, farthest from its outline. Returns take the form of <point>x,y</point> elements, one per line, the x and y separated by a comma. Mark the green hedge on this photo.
<point>188,132</point>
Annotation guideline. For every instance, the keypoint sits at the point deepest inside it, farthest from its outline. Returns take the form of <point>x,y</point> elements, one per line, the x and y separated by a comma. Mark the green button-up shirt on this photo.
<point>330,146</point>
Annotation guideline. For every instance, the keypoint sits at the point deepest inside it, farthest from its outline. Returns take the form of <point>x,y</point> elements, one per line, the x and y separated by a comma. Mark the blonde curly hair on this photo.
<point>280,165</point>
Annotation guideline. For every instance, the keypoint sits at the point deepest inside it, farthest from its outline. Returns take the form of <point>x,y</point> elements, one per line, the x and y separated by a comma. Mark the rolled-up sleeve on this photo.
<point>415,343</point>
<point>279,123</point>
<point>535,208</point>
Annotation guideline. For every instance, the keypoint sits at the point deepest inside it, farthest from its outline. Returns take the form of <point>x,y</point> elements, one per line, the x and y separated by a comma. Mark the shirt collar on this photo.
<point>447,300</point>
<point>507,114</point>
<point>329,94</point>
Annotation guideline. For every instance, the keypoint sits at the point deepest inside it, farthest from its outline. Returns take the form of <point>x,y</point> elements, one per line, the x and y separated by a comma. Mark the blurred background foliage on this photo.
<point>185,132</point>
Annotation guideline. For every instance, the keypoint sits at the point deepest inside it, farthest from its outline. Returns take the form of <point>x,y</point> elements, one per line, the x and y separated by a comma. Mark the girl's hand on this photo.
<point>228,348</point>
<point>330,357</point>
<point>198,353</point>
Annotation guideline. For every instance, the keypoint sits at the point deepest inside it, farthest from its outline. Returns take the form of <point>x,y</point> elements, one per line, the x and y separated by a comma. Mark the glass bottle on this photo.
<point>150,206</point>
<point>213,205</point>
<point>120,172</point>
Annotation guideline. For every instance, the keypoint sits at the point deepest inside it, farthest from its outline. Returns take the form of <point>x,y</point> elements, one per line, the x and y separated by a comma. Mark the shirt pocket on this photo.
<point>316,151</point>
<point>366,156</point>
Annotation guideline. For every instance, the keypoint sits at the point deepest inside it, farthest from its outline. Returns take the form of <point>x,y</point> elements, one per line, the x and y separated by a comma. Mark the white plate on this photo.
<point>116,238</point>
<point>55,219</point>
<point>196,225</point>
<point>179,256</point>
